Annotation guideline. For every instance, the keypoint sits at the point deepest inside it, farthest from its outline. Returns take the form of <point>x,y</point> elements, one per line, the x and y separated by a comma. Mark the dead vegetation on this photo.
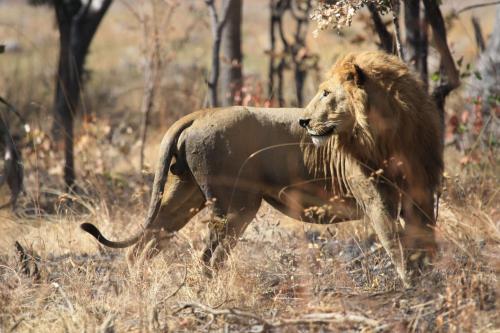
<point>283,276</point>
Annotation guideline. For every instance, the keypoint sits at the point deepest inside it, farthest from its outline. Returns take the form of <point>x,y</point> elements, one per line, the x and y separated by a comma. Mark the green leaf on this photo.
<point>493,100</point>
<point>435,76</point>
<point>478,75</point>
<point>462,129</point>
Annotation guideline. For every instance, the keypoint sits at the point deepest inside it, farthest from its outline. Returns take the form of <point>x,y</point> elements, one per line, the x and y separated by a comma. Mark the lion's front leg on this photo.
<point>387,229</point>
<point>380,205</point>
<point>418,235</point>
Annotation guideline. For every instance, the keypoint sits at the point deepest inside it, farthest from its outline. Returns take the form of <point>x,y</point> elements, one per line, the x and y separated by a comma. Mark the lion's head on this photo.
<point>373,109</point>
<point>337,107</point>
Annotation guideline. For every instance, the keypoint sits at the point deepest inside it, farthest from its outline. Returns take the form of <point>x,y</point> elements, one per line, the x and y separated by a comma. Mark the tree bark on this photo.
<point>423,50</point>
<point>412,28</point>
<point>396,12</point>
<point>217,29</point>
<point>231,74</point>
<point>386,39</point>
<point>452,81</point>
<point>77,24</point>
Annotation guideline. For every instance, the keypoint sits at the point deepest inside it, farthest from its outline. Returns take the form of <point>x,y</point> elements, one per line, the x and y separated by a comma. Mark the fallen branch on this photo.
<point>331,317</point>
<point>307,319</point>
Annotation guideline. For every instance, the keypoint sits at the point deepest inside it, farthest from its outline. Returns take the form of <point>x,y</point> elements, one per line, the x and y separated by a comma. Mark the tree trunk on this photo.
<point>77,25</point>
<point>386,39</point>
<point>231,74</point>
<point>449,69</point>
<point>412,28</point>
<point>423,50</point>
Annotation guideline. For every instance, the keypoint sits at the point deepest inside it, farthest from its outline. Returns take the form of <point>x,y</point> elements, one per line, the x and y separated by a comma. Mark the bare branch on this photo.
<point>436,21</point>
<point>478,34</point>
<point>478,5</point>
<point>307,319</point>
<point>395,9</point>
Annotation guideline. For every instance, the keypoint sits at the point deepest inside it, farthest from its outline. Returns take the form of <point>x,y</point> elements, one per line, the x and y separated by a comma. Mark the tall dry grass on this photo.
<point>282,275</point>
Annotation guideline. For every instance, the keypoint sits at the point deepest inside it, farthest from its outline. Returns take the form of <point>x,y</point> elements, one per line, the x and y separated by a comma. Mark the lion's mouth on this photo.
<point>320,138</point>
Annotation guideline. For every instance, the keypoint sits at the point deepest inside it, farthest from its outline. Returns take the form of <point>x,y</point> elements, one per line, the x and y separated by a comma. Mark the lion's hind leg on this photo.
<point>181,200</point>
<point>225,229</point>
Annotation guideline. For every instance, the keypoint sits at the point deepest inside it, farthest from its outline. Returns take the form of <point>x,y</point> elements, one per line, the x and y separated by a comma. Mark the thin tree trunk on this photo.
<point>272,50</point>
<point>231,74</point>
<point>395,8</point>
<point>423,50</point>
<point>452,80</point>
<point>386,39</point>
<point>76,28</point>
<point>412,28</point>
<point>301,16</point>
<point>217,29</point>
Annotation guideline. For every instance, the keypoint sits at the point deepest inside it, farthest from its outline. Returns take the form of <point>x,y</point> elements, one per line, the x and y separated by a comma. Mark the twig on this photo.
<point>311,318</point>
<point>63,294</point>
<point>331,317</point>
<point>224,312</point>
<point>478,34</point>
<point>478,5</point>
<point>183,283</point>
<point>395,9</point>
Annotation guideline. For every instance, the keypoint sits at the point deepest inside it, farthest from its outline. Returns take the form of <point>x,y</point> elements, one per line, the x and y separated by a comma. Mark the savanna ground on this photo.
<point>283,275</point>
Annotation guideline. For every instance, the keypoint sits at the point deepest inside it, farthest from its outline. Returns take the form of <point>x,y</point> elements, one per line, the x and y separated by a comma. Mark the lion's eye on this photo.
<point>326,93</point>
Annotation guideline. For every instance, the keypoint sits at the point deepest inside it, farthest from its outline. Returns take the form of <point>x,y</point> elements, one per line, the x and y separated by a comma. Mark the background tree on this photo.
<point>293,53</point>
<point>218,22</point>
<point>13,168</point>
<point>231,77</point>
<point>339,14</point>
<point>77,22</point>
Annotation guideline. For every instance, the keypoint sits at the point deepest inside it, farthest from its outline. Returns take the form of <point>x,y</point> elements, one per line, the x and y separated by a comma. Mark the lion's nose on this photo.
<point>304,122</point>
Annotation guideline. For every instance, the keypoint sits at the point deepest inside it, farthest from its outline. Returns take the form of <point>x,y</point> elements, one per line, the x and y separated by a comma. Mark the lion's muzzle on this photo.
<point>319,137</point>
<point>304,122</point>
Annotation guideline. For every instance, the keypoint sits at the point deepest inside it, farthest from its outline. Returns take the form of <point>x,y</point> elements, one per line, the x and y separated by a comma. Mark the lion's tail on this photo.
<point>167,149</point>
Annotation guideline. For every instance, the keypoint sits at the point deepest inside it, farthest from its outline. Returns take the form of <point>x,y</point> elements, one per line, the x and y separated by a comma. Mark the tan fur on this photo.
<point>381,119</point>
<point>234,158</point>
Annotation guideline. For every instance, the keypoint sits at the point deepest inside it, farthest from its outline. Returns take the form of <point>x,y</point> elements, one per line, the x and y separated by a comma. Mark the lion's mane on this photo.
<point>410,131</point>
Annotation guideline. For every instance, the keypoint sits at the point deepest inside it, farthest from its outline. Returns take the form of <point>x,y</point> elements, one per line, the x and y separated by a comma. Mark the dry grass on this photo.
<point>282,276</point>
<point>280,271</point>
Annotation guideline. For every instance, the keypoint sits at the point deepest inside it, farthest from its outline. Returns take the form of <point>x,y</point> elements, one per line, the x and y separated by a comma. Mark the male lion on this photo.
<point>381,123</point>
<point>372,115</point>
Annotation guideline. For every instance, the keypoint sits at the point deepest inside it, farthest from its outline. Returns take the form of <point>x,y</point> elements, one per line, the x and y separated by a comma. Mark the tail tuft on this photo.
<point>91,229</point>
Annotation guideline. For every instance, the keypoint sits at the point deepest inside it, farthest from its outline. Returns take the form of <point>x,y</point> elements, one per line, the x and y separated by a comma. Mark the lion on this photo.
<point>371,114</point>
<point>380,122</point>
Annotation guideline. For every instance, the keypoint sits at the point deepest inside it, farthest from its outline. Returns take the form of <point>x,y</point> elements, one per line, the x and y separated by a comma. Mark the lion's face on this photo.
<point>331,111</point>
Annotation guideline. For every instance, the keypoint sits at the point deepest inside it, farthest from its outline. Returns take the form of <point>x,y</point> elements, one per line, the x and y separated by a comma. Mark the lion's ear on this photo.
<point>357,75</point>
